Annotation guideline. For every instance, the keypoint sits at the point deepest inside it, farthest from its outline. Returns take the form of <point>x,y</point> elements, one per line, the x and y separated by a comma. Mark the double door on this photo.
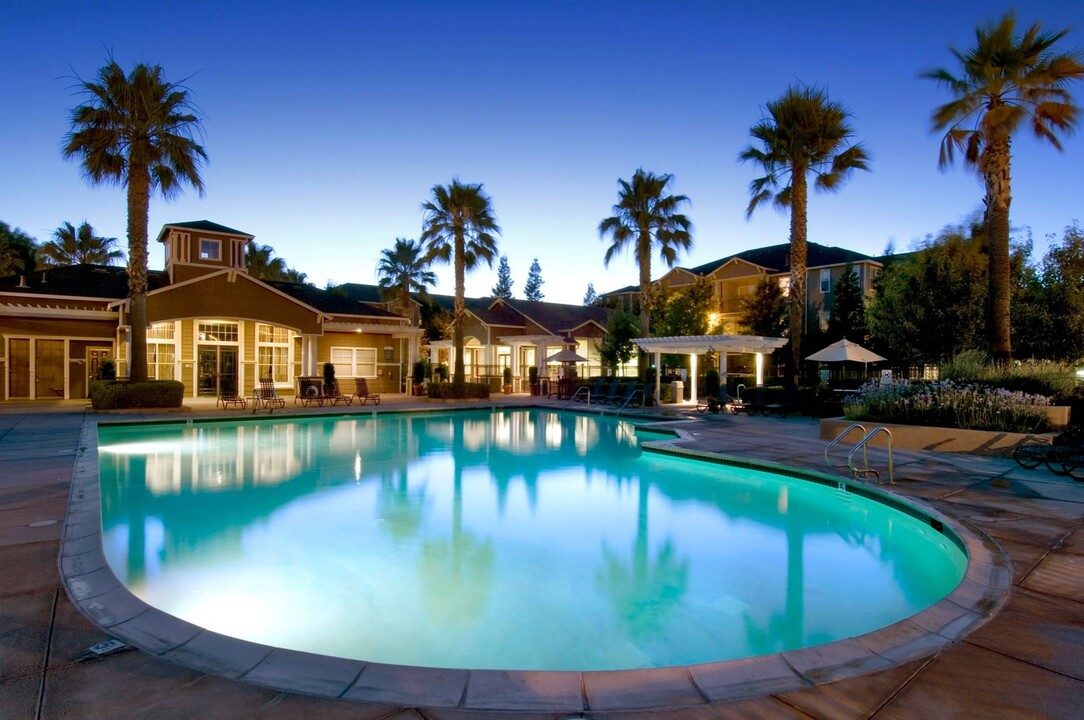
<point>217,370</point>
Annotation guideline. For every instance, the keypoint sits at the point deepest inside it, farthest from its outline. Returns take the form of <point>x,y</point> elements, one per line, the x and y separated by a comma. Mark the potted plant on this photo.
<point>507,381</point>
<point>329,378</point>
<point>532,377</point>
<point>418,374</point>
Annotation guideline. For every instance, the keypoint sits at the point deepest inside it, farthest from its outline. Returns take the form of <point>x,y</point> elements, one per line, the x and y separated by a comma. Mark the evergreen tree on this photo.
<point>683,311</point>
<point>590,297</point>
<point>617,347</point>
<point>533,289</point>
<point>503,288</point>
<point>764,312</point>
<point>848,316</point>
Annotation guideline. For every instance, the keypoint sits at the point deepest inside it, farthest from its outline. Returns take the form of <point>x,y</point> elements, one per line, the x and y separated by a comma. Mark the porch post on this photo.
<point>658,378</point>
<point>760,368</point>
<point>694,363</point>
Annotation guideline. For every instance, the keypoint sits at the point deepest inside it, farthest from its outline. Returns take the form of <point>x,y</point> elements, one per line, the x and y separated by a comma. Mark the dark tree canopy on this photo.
<point>617,347</point>
<point>764,312</point>
<point>848,314</point>
<point>17,250</point>
<point>590,297</point>
<point>682,311</point>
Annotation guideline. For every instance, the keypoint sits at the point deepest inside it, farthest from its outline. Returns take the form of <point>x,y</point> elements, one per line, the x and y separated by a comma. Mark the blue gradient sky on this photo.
<point>328,123</point>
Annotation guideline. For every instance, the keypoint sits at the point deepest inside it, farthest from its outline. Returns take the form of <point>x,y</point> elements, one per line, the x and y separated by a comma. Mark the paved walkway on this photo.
<point>1027,662</point>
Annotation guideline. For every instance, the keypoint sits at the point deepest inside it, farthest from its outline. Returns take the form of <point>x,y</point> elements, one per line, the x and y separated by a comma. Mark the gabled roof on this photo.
<point>558,317</point>
<point>329,301</point>
<point>362,293</point>
<point>205,225</point>
<point>776,258</point>
<point>108,282</point>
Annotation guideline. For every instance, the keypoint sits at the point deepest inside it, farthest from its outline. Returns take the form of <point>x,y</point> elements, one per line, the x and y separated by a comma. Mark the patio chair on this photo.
<point>613,393</point>
<point>649,394</point>
<point>333,395</point>
<point>713,404</point>
<point>309,392</point>
<point>228,396</point>
<point>361,392</point>
<point>584,393</point>
<point>264,396</point>
<point>631,391</point>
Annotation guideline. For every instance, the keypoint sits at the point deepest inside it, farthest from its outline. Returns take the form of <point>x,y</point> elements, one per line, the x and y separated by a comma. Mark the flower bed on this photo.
<point>949,404</point>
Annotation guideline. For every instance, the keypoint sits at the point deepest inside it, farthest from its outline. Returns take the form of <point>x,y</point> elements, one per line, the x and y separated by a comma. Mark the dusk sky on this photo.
<point>327,124</point>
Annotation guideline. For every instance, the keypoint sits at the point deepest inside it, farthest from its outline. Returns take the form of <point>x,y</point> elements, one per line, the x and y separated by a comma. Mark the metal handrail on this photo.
<point>576,394</point>
<point>862,444</point>
<point>643,400</point>
<point>838,439</point>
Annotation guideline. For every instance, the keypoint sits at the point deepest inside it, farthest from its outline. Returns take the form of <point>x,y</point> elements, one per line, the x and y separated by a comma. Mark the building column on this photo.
<point>694,363</point>
<point>722,367</point>
<point>760,368</point>
<point>658,377</point>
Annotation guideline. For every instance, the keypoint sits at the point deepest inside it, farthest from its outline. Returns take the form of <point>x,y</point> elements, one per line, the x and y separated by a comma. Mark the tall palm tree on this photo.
<point>1008,80</point>
<point>459,227</point>
<point>405,267</point>
<point>805,131</point>
<point>71,246</point>
<point>645,216</point>
<point>136,130</point>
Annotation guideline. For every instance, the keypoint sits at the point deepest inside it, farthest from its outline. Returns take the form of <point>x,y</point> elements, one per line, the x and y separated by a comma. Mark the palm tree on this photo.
<point>1007,80</point>
<point>261,264</point>
<point>405,267</point>
<point>70,246</point>
<point>645,216</point>
<point>804,132</point>
<point>136,130</point>
<point>458,227</point>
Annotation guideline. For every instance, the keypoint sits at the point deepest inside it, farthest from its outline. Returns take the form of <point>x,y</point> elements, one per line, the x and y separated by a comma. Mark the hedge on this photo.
<point>119,394</point>
<point>458,391</point>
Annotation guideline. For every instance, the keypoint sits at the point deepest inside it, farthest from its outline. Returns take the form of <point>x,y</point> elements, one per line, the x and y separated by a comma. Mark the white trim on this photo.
<point>16,311</point>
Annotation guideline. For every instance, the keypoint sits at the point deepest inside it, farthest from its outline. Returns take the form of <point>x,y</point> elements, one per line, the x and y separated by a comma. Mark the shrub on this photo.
<point>115,395</point>
<point>1034,377</point>
<point>948,404</point>
<point>420,371</point>
<point>711,383</point>
<point>507,376</point>
<point>459,391</point>
<point>107,369</point>
<point>329,376</point>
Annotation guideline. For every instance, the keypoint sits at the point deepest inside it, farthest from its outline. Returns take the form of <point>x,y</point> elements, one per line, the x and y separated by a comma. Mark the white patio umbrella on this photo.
<point>566,356</point>
<point>842,350</point>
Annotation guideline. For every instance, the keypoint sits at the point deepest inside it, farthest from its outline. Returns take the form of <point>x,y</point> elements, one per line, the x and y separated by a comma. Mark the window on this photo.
<point>161,351</point>
<point>354,362</point>
<point>826,280</point>
<point>209,249</point>
<point>273,345</point>
<point>217,332</point>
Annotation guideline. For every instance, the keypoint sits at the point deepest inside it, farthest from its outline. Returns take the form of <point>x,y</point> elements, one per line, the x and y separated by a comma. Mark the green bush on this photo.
<point>119,394</point>
<point>1033,377</point>
<point>107,369</point>
<point>458,391</point>
<point>711,383</point>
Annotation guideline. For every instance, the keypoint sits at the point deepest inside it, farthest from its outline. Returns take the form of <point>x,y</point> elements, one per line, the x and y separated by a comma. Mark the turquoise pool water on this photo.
<point>517,539</point>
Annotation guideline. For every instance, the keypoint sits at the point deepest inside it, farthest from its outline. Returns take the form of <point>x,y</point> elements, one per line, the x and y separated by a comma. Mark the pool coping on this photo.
<point>105,601</point>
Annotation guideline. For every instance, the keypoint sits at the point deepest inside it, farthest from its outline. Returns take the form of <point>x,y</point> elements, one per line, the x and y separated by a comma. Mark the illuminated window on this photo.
<point>826,280</point>
<point>354,362</point>
<point>218,332</point>
<point>161,351</point>
<point>273,351</point>
<point>784,285</point>
<point>210,249</point>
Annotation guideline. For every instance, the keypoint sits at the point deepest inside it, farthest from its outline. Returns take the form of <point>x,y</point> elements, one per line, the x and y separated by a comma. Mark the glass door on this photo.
<point>217,370</point>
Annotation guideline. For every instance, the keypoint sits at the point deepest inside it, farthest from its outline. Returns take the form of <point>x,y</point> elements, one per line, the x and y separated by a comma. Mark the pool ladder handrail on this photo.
<point>862,444</point>
<point>637,391</point>
<point>586,389</point>
<point>838,439</point>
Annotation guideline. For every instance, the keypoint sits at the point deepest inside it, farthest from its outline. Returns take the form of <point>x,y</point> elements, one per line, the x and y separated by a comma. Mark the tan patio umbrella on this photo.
<point>568,357</point>
<point>842,350</point>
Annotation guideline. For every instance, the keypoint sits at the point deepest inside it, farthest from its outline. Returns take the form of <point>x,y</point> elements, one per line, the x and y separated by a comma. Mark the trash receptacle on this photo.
<point>677,391</point>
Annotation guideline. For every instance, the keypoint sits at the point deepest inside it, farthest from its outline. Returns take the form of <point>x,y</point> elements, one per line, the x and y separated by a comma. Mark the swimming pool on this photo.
<point>507,539</point>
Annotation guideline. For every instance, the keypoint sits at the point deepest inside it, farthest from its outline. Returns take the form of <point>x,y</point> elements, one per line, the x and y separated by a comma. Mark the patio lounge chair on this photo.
<point>628,398</point>
<point>649,394</point>
<point>612,393</point>
<point>714,404</point>
<point>309,392</point>
<point>333,395</point>
<point>584,393</point>
<point>229,396</point>
<point>264,396</point>
<point>361,392</point>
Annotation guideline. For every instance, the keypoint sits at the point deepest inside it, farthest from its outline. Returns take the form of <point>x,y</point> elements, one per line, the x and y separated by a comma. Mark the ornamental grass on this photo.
<point>948,404</point>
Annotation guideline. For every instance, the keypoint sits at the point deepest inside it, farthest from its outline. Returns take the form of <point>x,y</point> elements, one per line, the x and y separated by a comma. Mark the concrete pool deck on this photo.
<point>1027,661</point>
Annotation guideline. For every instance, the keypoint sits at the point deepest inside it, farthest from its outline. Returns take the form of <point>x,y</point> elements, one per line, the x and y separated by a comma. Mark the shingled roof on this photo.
<point>205,225</point>
<point>330,301</point>
<point>776,258</point>
<point>108,282</point>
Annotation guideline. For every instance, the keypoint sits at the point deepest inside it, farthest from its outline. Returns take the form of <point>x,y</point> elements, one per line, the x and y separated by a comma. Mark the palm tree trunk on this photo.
<point>798,262</point>
<point>643,259</point>
<point>138,212</point>
<point>459,375</point>
<point>996,172</point>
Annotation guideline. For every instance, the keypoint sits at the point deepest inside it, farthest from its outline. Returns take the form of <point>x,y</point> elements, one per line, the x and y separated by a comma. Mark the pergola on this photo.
<point>695,345</point>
